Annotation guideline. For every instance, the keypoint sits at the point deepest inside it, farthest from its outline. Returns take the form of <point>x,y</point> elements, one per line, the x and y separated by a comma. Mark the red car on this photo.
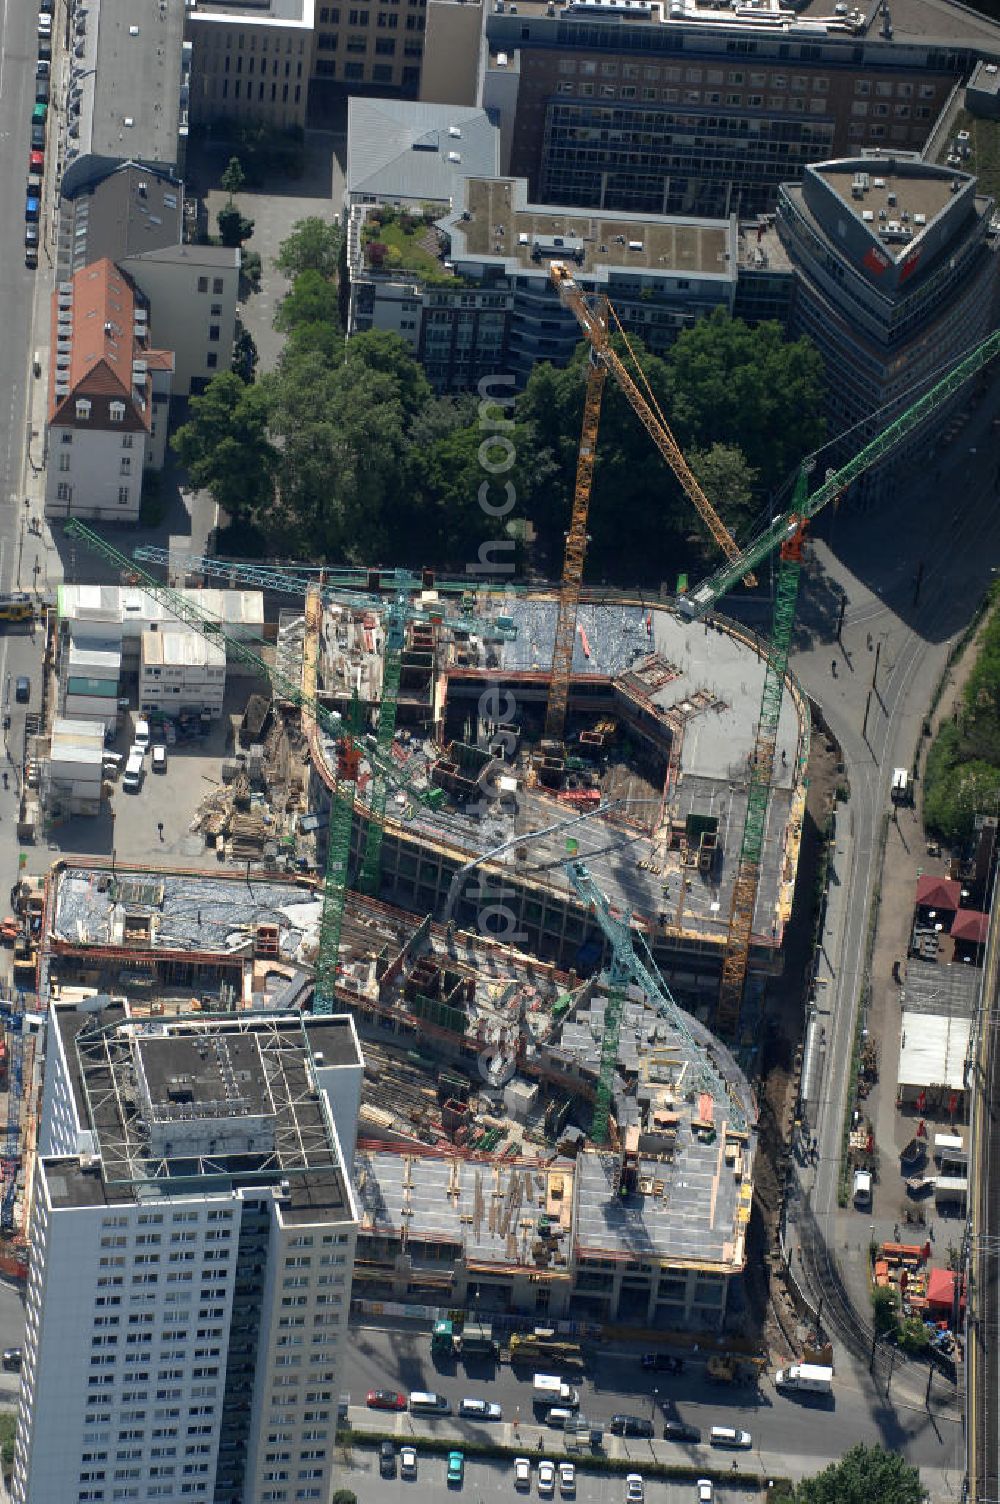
<point>36,162</point>
<point>385,1399</point>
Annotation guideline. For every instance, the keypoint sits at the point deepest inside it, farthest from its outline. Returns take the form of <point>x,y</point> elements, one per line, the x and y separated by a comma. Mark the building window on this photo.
<point>217,285</point>
<point>64,492</point>
<point>64,463</point>
<point>213,333</point>
<point>211,360</point>
<point>83,409</point>
<point>117,412</point>
<point>126,441</point>
<point>123,496</point>
<point>67,438</point>
<point>126,465</point>
<point>203,284</point>
<point>862,86</point>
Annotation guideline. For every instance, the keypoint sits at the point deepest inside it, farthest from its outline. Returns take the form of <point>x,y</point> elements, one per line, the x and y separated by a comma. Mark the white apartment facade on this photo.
<point>191,1267</point>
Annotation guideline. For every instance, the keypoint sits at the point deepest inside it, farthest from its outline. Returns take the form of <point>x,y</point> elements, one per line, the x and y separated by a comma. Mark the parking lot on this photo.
<point>494,1479</point>
<point>131,826</point>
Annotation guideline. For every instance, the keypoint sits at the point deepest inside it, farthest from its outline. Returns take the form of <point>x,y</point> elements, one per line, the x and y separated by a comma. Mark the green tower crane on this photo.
<point>787,534</point>
<point>628,966</point>
<point>399,611</point>
<point>350,750</point>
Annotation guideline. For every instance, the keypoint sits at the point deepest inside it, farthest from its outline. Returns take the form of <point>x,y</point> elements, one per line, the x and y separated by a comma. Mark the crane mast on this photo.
<point>399,611</point>
<point>349,750</point>
<point>628,966</point>
<point>594,320</point>
<point>787,533</point>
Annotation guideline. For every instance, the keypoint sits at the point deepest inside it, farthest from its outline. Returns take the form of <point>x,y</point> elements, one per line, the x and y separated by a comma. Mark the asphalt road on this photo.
<point>397,1359</point>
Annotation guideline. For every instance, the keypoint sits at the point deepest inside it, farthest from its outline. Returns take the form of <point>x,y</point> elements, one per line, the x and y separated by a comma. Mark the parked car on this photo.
<point>36,161</point>
<point>37,136</point>
<point>31,236</point>
<point>546,1476</point>
<point>522,1473</point>
<point>159,759</point>
<point>631,1425</point>
<point>408,1462</point>
<point>567,1479</point>
<point>31,256</point>
<point>41,91</point>
<point>22,689</point>
<point>39,113</point>
<point>387,1459</point>
<point>706,1491</point>
<point>43,68</point>
<point>45,26</point>
<point>11,1360</point>
<point>729,1436</point>
<point>456,1468</point>
<point>635,1490</point>
<point>662,1363</point>
<point>385,1399</point>
<point>45,47</point>
<point>480,1410</point>
<point>678,1430</point>
<point>32,208</point>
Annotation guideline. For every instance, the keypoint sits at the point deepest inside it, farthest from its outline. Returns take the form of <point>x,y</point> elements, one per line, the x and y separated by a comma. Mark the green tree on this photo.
<point>750,387</point>
<point>914,1338</point>
<point>311,300</point>
<point>728,482</point>
<point>389,355</point>
<point>339,431</point>
<point>225,447</point>
<point>864,1475</point>
<point>642,526</point>
<point>885,1309</point>
<point>344,1496</point>
<point>233,177</point>
<point>245,355</point>
<point>956,788</point>
<point>234,227</point>
<point>312,246</point>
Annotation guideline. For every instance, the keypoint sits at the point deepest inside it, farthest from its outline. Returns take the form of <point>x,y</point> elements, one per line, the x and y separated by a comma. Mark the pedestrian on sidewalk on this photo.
<point>159,827</point>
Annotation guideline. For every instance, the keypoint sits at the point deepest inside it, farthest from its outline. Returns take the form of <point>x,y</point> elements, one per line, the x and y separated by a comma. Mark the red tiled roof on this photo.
<point>103,345</point>
<point>970,925</point>
<point>938,892</point>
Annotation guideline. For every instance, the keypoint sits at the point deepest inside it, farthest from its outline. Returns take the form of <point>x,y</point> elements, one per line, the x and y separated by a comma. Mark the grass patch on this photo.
<point>402,234</point>
<point>984,156</point>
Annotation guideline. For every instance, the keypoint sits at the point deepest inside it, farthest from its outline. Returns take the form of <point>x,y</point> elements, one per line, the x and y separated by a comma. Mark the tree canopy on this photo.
<point>312,246</point>
<point>225,446</point>
<point>864,1475</point>
<point>747,387</point>
<point>344,452</point>
<point>962,774</point>
<point>312,299</point>
<point>233,177</point>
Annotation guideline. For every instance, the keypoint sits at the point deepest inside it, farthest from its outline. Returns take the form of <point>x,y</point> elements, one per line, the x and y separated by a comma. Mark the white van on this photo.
<point>132,779</point>
<point>727,1436</point>
<point>900,786</point>
<point>428,1404</point>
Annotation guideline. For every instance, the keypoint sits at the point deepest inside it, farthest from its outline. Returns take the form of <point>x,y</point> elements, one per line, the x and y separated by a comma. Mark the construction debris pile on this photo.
<point>256,813</point>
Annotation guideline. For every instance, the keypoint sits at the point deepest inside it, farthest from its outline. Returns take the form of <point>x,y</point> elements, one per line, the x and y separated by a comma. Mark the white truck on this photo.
<point>805,1378</point>
<point>551,1390</point>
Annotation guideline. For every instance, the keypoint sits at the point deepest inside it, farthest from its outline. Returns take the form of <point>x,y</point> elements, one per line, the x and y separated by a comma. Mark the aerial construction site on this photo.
<point>541,844</point>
